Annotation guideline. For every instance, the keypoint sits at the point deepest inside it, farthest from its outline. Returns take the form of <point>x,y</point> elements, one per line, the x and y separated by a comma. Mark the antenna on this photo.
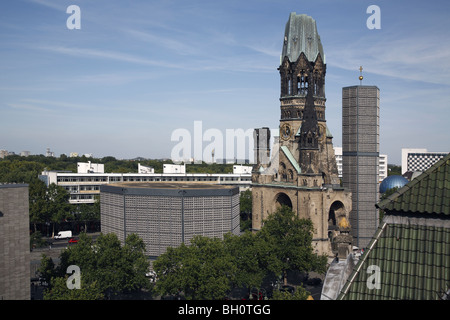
<point>360,75</point>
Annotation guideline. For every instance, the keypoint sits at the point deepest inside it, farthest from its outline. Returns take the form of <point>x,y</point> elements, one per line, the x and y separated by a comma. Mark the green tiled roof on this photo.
<point>428,193</point>
<point>411,249</point>
<point>413,261</point>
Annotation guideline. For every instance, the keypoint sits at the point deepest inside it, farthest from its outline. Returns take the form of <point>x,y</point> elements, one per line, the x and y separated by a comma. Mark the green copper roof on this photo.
<point>428,193</point>
<point>329,135</point>
<point>291,158</point>
<point>301,36</point>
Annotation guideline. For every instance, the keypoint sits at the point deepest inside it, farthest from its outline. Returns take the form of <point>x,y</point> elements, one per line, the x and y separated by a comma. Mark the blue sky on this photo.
<point>138,70</point>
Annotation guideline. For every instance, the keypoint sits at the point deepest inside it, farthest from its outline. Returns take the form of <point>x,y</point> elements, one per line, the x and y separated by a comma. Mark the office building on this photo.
<point>84,186</point>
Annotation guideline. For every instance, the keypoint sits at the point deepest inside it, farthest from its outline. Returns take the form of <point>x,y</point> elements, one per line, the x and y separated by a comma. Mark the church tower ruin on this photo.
<point>302,171</point>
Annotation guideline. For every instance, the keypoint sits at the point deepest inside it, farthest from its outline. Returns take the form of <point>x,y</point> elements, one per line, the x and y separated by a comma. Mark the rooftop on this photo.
<point>410,252</point>
<point>172,185</point>
<point>301,36</point>
<point>428,193</point>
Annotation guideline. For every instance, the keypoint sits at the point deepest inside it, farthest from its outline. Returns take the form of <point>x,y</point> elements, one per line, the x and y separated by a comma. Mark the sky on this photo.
<point>139,72</point>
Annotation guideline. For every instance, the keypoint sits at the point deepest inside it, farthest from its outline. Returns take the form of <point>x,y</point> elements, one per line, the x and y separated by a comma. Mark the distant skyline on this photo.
<point>139,70</point>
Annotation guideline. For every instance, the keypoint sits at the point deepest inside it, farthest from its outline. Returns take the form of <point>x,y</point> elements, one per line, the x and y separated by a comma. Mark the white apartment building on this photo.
<point>382,164</point>
<point>84,185</point>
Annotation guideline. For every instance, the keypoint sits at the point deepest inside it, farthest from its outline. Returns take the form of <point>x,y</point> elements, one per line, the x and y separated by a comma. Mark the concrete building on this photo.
<point>145,169</point>
<point>174,168</point>
<point>84,187</point>
<point>302,172</point>
<point>360,150</point>
<point>14,242</point>
<point>88,167</point>
<point>168,214</point>
<point>240,169</point>
<point>419,160</point>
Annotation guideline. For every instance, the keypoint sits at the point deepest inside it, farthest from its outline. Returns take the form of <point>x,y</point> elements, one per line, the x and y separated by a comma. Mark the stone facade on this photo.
<point>14,242</point>
<point>302,171</point>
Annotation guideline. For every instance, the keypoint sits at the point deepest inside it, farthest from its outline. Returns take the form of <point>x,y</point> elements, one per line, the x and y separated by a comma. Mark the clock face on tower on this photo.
<point>285,131</point>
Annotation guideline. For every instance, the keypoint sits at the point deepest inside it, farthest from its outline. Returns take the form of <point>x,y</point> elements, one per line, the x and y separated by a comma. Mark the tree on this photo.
<point>394,169</point>
<point>83,255</point>
<point>89,212</point>
<point>58,204</point>
<point>245,202</point>
<point>202,270</point>
<point>60,291</point>
<point>36,240</point>
<point>106,266</point>
<point>300,293</point>
<point>247,251</point>
<point>289,244</point>
<point>47,268</point>
<point>169,267</point>
<point>38,203</point>
<point>135,263</point>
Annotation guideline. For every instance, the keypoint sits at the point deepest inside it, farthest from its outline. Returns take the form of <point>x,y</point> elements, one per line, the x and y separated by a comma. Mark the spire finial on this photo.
<point>360,75</point>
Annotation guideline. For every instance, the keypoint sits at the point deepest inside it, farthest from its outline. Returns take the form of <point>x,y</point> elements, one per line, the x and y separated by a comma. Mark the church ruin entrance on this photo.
<point>283,199</point>
<point>337,210</point>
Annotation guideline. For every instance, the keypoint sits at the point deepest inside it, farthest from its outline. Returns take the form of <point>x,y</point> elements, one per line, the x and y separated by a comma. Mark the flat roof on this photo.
<point>172,185</point>
<point>177,189</point>
<point>13,185</point>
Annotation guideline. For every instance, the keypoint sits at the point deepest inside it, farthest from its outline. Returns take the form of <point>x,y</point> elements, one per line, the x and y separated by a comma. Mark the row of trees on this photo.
<point>106,268</point>
<point>50,206</point>
<point>207,268</point>
<point>16,168</point>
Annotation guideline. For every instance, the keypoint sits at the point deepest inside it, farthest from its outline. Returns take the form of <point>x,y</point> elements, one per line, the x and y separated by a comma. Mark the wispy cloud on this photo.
<point>196,63</point>
<point>416,58</point>
<point>111,55</point>
<point>27,107</point>
<point>50,4</point>
<point>185,47</point>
